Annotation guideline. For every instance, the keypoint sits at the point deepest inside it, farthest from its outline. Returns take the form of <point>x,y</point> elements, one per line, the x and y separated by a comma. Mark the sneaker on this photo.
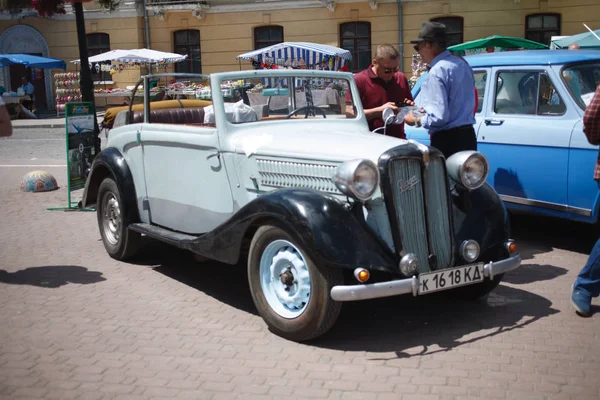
<point>582,302</point>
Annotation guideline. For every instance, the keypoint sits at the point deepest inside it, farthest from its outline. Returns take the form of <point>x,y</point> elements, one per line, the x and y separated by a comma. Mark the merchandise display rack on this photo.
<point>67,90</point>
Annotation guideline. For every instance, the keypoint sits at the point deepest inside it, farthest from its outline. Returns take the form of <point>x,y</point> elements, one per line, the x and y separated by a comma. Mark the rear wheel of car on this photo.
<point>113,219</point>
<point>478,290</point>
<point>290,292</point>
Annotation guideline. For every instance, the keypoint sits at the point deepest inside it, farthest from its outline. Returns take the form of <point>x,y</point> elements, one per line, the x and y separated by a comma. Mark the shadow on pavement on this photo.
<point>542,234</point>
<point>51,276</point>
<point>529,273</point>
<point>430,324</point>
<point>226,283</point>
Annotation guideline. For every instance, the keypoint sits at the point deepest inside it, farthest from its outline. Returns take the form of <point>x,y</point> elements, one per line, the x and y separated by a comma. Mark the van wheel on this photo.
<point>290,292</point>
<point>113,219</point>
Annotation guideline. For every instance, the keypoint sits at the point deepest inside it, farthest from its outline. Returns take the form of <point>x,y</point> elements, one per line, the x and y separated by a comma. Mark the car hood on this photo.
<point>333,142</point>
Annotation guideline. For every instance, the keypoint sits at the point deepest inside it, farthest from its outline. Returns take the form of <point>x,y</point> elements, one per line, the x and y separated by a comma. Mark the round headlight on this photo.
<point>469,168</point>
<point>469,250</point>
<point>357,179</point>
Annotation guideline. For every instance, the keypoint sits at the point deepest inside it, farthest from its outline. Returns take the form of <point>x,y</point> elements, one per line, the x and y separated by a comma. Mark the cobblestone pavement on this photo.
<point>75,323</point>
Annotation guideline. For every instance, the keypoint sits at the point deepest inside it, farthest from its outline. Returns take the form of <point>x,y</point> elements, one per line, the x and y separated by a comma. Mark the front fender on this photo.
<point>480,215</point>
<point>109,163</point>
<point>320,223</point>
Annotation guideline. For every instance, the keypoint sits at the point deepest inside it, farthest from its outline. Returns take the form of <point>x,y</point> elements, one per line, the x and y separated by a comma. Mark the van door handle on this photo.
<point>494,121</point>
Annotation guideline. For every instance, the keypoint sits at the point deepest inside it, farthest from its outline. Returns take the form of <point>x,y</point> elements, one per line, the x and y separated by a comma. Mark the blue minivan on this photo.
<point>529,126</point>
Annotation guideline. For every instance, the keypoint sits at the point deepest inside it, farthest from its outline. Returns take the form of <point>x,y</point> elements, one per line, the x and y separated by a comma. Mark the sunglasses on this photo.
<point>390,70</point>
<point>417,47</point>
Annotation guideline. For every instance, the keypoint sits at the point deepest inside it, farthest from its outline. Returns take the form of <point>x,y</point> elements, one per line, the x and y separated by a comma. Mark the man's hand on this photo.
<point>409,102</point>
<point>389,104</point>
<point>410,118</point>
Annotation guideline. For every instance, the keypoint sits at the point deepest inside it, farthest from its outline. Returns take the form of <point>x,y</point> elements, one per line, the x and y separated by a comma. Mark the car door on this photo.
<point>525,135</point>
<point>187,187</point>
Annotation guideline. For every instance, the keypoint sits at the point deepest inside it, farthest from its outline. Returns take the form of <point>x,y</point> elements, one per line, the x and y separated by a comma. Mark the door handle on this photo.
<point>494,121</point>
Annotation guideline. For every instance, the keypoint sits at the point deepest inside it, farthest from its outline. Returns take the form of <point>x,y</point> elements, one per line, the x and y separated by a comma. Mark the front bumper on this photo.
<point>411,285</point>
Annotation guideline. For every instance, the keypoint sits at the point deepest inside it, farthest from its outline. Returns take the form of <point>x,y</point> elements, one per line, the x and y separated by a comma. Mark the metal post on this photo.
<point>146,23</point>
<point>86,84</point>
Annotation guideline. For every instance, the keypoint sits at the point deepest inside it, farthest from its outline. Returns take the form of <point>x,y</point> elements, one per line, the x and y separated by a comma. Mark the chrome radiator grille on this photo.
<point>421,206</point>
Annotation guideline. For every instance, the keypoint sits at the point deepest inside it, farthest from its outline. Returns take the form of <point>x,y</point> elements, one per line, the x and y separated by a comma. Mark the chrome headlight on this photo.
<point>468,168</point>
<point>357,178</point>
<point>469,250</point>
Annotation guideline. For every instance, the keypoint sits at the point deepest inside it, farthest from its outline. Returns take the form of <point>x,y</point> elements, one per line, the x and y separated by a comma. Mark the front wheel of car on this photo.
<point>290,292</point>
<point>113,220</point>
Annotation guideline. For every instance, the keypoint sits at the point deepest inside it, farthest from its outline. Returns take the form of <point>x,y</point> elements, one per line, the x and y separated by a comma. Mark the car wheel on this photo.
<point>113,219</point>
<point>477,291</point>
<point>291,293</point>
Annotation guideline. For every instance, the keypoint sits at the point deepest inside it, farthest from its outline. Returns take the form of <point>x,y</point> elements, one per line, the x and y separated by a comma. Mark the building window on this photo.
<point>188,42</point>
<point>454,29</point>
<point>265,36</point>
<point>356,37</point>
<point>98,43</point>
<point>541,27</point>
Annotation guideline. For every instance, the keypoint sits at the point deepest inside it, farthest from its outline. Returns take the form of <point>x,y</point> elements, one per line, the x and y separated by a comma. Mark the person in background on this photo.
<point>27,86</point>
<point>587,284</point>
<point>447,94</point>
<point>382,86</point>
<point>29,90</point>
<point>5,124</point>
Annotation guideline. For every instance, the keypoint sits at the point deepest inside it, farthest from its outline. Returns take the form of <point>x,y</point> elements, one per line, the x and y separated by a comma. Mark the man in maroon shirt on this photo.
<point>382,86</point>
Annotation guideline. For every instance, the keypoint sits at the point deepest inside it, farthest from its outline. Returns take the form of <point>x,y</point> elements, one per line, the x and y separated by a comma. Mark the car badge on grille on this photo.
<point>408,184</point>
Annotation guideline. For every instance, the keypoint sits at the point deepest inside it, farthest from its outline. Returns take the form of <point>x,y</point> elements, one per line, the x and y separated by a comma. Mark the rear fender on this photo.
<point>109,163</point>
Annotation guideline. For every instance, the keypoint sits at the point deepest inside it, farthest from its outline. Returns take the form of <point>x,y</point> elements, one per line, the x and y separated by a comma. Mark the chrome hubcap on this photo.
<point>285,279</point>
<point>111,219</point>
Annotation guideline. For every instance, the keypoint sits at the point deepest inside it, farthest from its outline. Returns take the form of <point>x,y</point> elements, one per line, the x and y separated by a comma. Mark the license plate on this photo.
<point>450,278</point>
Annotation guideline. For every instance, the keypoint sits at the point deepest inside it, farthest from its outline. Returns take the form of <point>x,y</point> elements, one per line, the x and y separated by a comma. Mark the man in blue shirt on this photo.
<point>446,94</point>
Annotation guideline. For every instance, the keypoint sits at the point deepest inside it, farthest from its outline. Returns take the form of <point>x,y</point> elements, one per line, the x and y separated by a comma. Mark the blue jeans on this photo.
<point>588,280</point>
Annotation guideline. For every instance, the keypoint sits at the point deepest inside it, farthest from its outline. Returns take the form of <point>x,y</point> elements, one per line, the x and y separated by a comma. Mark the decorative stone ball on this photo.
<point>38,181</point>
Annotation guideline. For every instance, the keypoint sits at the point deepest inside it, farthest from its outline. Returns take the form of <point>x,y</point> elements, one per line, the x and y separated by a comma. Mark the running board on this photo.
<point>164,235</point>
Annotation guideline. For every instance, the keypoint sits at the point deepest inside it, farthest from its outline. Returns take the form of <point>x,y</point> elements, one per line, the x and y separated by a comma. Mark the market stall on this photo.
<point>115,61</point>
<point>16,99</point>
<point>586,41</point>
<point>297,55</point>
<point>495,43</point>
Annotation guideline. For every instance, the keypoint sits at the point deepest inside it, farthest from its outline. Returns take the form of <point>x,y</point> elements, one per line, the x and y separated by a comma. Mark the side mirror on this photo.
<point>388,116</point>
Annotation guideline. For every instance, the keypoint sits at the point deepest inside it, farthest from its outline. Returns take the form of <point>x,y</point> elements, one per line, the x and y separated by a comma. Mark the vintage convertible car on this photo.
<point>529,127</point>
<point>277,174</point>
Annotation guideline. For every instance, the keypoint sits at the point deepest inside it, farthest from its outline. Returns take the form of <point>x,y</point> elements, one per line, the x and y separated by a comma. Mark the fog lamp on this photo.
<point>409,264</point>
<point>361,275</point>
<point>469,250</point>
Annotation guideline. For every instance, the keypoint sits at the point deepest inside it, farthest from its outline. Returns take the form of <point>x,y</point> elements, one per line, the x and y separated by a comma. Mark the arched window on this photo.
<point>541,27</point>
<point>356,37</point>
<point>267,36</point>
<point>187,41</point>
<point>98,43</point>
<point>454,29</point>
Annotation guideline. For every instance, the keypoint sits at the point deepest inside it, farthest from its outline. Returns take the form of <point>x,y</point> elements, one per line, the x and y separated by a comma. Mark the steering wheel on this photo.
<point>307,108</point>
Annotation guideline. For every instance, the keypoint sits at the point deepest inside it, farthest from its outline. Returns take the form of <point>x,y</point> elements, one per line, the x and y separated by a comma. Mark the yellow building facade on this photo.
<point>216,32</point>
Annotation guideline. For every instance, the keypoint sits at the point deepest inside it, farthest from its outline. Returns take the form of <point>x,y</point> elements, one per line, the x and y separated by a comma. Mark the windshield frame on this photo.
<point>219,78</point>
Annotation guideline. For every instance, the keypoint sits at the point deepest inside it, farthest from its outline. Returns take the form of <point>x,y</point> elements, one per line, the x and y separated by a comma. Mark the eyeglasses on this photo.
<point>390,70</point>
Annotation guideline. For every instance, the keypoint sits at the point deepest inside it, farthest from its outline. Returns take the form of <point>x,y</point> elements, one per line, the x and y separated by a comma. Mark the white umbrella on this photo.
<point>136,55</point>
